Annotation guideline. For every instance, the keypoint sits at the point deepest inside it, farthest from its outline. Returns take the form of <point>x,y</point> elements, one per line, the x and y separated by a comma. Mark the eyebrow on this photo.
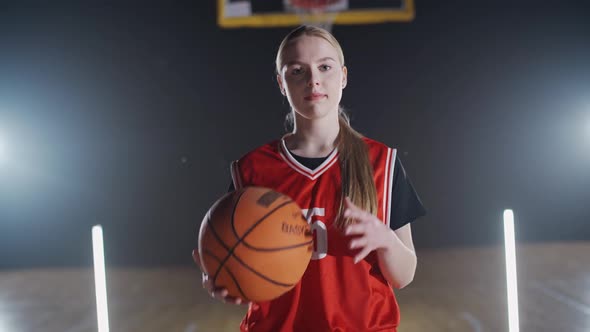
<point>326,58</point>
<point>320,60</point>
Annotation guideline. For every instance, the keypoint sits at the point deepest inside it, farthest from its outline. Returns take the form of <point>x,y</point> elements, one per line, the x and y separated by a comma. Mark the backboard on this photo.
<point>278,13</point>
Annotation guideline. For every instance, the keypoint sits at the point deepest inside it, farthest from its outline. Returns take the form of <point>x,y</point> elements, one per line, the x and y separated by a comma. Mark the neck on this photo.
<point>314,138</point>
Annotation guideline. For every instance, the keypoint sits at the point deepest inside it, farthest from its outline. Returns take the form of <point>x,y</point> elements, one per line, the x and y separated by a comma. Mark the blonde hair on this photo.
<point>357,173</point>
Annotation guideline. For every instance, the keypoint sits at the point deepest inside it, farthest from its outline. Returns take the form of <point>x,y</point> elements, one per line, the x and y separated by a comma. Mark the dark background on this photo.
<point>129,115</point>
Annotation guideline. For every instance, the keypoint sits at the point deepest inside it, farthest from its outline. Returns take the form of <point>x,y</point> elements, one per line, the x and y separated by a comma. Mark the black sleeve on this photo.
<point>231,187</point>
<point>405,202</point>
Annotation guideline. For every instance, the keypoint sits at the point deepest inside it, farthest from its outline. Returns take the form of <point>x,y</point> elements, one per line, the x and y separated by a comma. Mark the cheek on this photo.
<point>292,83</point>
<point>334,79</point>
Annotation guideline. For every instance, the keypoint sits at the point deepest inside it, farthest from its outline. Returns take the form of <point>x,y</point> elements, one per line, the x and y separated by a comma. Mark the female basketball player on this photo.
<point>353,191</point>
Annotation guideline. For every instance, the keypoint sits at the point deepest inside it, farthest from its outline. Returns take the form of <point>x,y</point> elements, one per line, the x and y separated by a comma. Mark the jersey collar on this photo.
<point>298,167</point>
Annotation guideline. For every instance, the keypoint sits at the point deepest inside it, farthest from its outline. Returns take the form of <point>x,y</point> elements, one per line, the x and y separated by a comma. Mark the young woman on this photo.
<point>353,191</point>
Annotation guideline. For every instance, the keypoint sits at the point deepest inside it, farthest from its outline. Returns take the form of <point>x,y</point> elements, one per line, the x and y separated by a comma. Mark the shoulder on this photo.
<point>377,148</point>
<point>376,145</point>
<point>266,151</point>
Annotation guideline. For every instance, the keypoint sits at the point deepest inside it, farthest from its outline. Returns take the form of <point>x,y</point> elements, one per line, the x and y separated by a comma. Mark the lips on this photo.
<point>315,96</point>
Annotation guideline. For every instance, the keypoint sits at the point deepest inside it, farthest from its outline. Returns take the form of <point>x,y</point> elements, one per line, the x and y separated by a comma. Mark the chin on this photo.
<point>313,114</point>
<point>315,111</point>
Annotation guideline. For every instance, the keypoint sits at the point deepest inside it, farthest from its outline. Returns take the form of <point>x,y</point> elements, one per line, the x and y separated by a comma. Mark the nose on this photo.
<point>313,79</point>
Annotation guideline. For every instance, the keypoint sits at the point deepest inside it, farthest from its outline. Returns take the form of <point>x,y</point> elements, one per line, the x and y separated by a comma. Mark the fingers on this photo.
<point>360,233</point>
<point>363,244</point>
<point>223,295</point>
<point>197,258</point>
<point>220,293</point>
<point>234,300</point>
<point>355,229</point>
<point>354,212</point>
<point>360,242</point>
<point>362,254</point>
<point>215,292</point>
<point>349,205</point>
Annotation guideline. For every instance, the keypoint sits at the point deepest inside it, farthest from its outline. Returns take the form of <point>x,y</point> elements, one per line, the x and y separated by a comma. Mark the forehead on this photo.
<point>308,49</point>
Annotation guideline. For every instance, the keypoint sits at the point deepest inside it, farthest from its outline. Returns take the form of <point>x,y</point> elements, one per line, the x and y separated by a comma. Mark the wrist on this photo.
<point>388,243</point>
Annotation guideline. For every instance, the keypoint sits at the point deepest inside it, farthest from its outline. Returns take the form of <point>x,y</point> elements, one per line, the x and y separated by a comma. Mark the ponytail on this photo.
<point>358,182</point>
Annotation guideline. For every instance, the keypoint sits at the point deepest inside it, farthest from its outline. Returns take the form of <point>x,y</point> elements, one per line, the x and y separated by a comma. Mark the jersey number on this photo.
<point>318,231</point>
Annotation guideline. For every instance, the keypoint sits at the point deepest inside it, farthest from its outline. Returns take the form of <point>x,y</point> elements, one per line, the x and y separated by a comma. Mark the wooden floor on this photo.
<point>454,290</point>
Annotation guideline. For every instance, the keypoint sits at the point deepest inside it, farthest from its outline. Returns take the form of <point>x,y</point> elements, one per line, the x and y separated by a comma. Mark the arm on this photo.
<point>395,249</point>
<point>397,260</point>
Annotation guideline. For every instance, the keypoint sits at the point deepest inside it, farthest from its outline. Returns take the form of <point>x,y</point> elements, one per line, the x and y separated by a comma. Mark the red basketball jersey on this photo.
<point>334,294</point>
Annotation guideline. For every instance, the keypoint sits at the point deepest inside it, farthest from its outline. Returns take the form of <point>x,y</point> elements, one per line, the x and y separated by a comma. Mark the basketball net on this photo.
<point>319,13</point>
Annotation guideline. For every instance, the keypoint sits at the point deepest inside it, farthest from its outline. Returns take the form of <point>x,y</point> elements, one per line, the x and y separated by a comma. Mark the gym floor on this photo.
<point>454,290</point>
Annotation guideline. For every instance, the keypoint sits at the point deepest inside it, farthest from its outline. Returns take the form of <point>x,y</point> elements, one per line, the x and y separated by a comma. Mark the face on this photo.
<point>312,77</point>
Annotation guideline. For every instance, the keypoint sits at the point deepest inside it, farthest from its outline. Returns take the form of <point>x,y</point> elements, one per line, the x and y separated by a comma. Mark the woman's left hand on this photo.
<point>370,233</point>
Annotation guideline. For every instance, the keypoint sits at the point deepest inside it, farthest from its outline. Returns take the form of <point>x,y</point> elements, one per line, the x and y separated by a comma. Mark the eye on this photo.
<point>296,71</point>
<point>325,67</point>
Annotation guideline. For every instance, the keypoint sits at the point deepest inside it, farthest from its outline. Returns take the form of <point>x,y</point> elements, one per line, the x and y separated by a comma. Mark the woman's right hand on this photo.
<point>216,293</point>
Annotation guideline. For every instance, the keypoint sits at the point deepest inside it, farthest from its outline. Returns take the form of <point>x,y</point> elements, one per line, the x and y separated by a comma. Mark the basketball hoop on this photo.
<point>320,13</point>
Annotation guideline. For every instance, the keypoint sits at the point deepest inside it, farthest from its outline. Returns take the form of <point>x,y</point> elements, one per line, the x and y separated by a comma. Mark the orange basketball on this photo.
<point>255,243</point>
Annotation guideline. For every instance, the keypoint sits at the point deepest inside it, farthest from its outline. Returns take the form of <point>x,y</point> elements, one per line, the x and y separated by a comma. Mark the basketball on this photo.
<point>256,243</point>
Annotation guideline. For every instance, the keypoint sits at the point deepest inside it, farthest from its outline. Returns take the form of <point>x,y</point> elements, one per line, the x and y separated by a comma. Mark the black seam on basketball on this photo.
<point>244,264</point>
<point>293,246</point>
<point>251,269</point>
<point>253,226</point>
<point>230,252</point>
<point>243,239</point>
<point>218,238</point>
<point>221,262</point>
<point>209,253</point>
<point>243,297</point>
<point>233,224</point>
<point>235,207</point>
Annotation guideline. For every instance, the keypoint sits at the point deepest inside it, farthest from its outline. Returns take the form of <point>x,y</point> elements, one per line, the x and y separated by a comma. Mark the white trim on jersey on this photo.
<point>297,166</point>
<point>388,187</point>
<point>385,186</point>
<point>235,175</point>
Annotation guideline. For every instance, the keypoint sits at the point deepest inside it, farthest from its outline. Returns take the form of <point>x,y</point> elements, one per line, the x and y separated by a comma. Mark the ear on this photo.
<point>280,82</point>
<point>344,76</point>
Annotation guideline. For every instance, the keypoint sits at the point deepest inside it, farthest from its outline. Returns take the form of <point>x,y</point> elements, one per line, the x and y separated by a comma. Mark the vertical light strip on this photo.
<point>100,279</point>
<point>510,251</point>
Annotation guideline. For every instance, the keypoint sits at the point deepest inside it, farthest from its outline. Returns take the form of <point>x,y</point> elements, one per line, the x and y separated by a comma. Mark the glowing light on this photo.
<point>512,290</point>
<point>100,279</point>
